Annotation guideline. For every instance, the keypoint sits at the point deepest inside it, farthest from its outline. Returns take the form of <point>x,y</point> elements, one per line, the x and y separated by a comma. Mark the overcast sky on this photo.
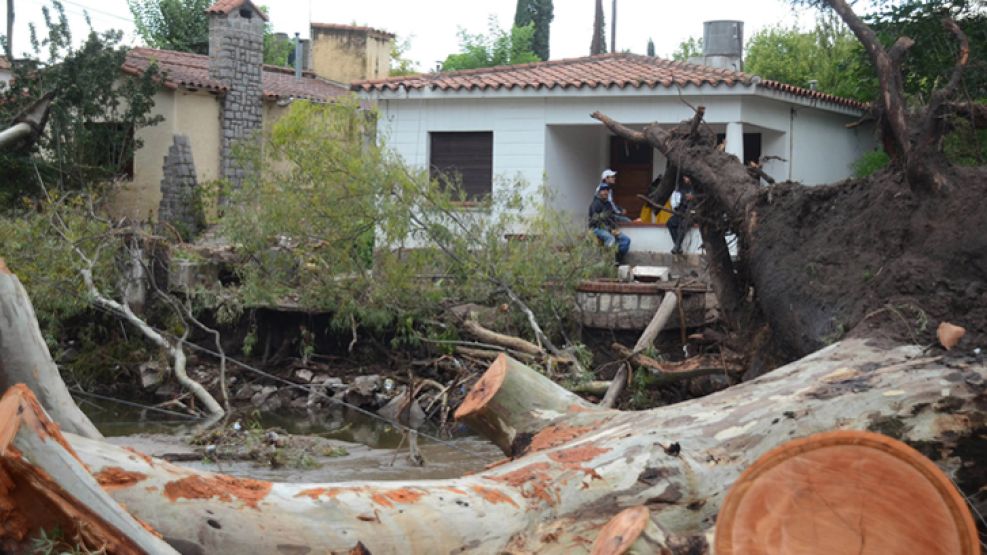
<point>432,25</point>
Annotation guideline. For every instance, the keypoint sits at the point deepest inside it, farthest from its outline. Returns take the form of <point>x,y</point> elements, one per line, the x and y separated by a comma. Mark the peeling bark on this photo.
<point>579,469</point>
<point>44,487</point>
<point>24,358</point>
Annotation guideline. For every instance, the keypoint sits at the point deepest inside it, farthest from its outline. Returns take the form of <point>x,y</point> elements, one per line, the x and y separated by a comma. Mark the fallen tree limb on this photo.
<point>24,358</point>
<point>174,350</point>
<point>665,310</point>
<point>473,328</point>
<point>672,371</point>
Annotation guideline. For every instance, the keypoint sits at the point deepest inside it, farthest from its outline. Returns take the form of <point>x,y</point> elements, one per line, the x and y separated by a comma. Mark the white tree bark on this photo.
<point>665,310</point>
<point>24,358</point>
<point>578,469</point>
<point>174,350</point>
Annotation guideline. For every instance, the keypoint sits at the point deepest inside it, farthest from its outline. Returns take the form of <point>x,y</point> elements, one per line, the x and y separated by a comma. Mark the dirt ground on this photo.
<point>872,257</point>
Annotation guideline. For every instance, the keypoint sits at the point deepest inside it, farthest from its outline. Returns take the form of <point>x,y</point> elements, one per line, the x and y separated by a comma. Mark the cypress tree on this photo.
<point>541,13</point>
<point>599,43</point>
<point>651,47</point>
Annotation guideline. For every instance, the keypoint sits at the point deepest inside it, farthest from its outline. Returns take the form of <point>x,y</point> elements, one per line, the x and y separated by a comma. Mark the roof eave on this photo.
<point>835,104</point>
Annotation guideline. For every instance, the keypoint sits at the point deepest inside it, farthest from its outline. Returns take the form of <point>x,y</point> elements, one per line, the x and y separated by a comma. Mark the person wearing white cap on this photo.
<point>609,178</point>
<point>603,224</point>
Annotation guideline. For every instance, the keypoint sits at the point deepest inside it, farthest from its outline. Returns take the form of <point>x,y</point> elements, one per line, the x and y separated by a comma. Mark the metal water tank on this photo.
<point>723,44</point>
<point>723,38</point>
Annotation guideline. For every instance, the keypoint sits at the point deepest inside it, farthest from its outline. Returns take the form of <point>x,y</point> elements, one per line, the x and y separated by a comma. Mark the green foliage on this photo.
<point>183,25</point>
<point>965,145</point>
<point>689,48</point>
<point>929,63</point>
<point>401,65</point>
<point>651,47</point>
<point>339,224</point>
<point>826,54</point>
<point>540,13</point>
<point>179,25</point>
<point>88,346</point>
<point>277,49</point>
<point>870,163</point>
<point>46,263</point>
<point>598,43</point>
<point>90,136</point>
<point>496,48</point>
<point>54,542</point>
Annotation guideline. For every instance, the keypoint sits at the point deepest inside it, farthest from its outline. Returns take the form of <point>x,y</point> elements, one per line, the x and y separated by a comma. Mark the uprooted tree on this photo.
<point>902,249</point>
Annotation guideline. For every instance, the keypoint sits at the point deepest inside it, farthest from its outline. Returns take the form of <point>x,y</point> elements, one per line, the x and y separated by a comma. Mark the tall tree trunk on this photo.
<point>598,44</point>
<point>613,27</point>
<point>10,31</point>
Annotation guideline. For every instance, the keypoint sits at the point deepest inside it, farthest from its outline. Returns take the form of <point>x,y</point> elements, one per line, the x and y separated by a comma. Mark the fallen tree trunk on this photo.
<point>577,466</point>
<point>44,488</point>
<point>665,310</point>
<point>24,358</point>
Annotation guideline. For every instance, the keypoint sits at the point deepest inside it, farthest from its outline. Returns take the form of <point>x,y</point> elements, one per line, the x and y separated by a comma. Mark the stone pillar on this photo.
<point>735,140</point>
<point>181,206</point>
<point>236,55</point>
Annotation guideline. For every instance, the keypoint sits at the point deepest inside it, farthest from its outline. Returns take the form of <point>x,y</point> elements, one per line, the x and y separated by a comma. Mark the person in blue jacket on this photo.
<point>603,222</point>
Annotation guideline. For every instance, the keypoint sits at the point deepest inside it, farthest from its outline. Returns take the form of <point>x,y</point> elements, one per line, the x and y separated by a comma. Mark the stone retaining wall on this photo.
<point>630,306</point>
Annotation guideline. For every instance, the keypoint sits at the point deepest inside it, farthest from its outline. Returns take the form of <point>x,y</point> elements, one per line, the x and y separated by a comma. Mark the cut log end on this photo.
<point>836,492</point>
<point>620,533</point>
<point>484,390</point>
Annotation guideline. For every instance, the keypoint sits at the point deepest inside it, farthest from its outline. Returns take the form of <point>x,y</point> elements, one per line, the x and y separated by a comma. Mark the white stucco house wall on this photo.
<point>533,121</point>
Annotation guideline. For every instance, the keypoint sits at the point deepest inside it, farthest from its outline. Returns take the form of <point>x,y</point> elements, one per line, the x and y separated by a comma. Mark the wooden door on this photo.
<point>633,164</point>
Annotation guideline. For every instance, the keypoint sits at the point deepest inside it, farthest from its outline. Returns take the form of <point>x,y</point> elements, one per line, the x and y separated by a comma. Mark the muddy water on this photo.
<point>374,450</point>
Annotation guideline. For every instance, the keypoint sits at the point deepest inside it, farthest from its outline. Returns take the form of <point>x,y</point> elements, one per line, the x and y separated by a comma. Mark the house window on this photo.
<point>110,147</point>
<point>465,158</point>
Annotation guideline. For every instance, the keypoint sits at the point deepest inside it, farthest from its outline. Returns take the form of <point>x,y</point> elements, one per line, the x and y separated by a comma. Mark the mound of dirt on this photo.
<point>872,257</point>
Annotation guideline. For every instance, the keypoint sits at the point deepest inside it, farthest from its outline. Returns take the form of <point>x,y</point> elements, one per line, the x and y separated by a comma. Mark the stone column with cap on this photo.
<point>236,56</point>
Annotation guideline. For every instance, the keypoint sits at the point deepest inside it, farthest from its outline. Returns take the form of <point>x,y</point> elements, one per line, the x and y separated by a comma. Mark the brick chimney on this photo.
<point>236,56</point>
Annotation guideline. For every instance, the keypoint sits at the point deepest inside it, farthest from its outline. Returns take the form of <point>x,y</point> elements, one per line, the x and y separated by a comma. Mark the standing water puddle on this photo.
<point>370,449</point>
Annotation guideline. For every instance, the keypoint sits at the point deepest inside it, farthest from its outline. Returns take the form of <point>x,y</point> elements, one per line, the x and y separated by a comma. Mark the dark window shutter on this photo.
<point>466,156</point>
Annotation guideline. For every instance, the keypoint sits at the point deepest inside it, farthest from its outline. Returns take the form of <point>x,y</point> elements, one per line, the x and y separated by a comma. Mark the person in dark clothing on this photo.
<point>603,222</point>
<point>609,178</point>
<point>679,223</point>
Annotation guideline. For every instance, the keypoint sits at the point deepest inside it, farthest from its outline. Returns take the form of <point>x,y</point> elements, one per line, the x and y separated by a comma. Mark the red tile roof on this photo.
<point>184,69</point>
<point>4,62</point>
<point>224,7</point>
<point>339,27</point>
<point>604,71</point>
